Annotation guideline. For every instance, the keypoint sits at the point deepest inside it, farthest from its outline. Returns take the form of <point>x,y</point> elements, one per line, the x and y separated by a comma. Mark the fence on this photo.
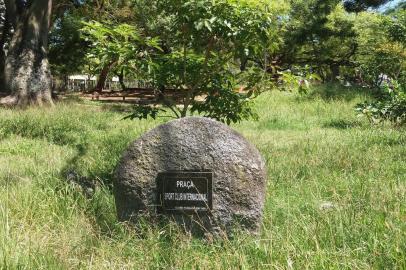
<point>80,83</point>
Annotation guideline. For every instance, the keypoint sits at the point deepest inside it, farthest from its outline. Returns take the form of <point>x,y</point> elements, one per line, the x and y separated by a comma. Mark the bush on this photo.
<point>390,106</point>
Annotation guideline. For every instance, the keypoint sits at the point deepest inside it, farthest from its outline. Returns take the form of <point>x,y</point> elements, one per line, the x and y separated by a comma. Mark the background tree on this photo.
<point>381,53</point>
<point>67,53</point>
<point>114,12</point>
<point>382,65</point>
<point>362,5</point>
<point>318,34</point>
<point>67,50</point>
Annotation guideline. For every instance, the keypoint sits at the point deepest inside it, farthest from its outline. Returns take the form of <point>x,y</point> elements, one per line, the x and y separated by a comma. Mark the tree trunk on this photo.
<point>5,31</point>
<point>103,77</point>
<point>27,74</point>
<point>121,80</point>
<point>335,72</point>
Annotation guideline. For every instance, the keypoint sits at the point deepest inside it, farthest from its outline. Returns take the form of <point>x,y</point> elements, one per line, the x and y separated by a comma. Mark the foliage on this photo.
<point>299,79</point>
<point>143,112</point>
<point>67,47</point>
<point>319,34</point>
<point>227,106</point>
<point>67,50</point>
<point>396,26</point>
<point>199,54</point>
<point>390,106</point>
<point>201,57</point>
<point>361,5</point>
<point>339,45</point>
<point>381,50</point>
<point>119,46</point>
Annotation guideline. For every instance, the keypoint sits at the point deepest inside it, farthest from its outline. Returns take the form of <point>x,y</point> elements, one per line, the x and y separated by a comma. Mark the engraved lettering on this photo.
<point>185,184</point>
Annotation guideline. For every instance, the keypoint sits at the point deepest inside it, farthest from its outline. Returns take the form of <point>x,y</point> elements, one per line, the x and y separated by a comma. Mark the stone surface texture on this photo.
<point>194,143</point>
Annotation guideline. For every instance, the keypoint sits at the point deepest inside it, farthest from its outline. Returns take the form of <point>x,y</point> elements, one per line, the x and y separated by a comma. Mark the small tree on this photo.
<point>200,58</point>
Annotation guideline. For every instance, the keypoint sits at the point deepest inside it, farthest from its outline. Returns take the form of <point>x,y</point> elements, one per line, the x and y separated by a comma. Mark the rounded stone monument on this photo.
<point>196,171</point>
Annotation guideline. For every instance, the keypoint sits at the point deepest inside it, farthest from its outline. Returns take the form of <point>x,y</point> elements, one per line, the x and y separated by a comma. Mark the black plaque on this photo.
<point>185,192</point>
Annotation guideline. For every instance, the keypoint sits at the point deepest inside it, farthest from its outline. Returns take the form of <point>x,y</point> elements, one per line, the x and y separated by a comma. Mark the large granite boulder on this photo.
<point>194,144</point>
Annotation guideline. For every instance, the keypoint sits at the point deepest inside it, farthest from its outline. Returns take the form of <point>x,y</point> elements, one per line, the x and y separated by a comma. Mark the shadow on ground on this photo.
<point>342,124</point>
<point>333,91</point>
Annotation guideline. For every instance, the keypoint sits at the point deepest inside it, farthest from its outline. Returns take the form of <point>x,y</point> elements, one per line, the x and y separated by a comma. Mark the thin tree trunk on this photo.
<point>103,77</point>
<point>27,74</point>
<point>121,80</point>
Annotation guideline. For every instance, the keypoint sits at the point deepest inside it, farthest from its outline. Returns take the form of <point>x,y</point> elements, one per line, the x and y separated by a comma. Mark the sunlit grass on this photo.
<point>336,191</point>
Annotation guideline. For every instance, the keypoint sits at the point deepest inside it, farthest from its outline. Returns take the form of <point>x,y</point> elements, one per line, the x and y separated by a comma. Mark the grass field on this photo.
<point>336,191</point>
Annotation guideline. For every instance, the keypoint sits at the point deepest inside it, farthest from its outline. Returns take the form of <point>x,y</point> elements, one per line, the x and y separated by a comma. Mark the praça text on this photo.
<point>185,184</point>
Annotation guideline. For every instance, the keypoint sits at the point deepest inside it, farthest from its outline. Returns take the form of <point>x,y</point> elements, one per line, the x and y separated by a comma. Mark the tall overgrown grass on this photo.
<point>336,191</point>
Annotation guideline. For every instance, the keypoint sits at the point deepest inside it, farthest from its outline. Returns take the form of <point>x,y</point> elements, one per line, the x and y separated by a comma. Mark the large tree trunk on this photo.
<point>27,74</point>
<point>4,32</point>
